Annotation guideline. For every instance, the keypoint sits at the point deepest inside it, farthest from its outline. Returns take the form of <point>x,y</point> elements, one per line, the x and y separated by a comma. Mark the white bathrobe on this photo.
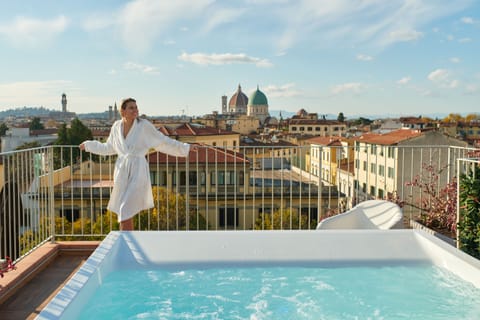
<point>132,190</point>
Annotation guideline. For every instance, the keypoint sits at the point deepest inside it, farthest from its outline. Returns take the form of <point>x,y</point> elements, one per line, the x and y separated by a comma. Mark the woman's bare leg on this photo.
<point>126,225</point>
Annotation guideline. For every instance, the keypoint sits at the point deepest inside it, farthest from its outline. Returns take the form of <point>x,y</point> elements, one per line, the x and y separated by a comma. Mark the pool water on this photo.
<point>285,292</point>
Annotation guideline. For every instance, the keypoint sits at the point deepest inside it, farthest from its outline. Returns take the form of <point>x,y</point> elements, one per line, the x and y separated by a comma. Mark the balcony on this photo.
<point>54,198</point>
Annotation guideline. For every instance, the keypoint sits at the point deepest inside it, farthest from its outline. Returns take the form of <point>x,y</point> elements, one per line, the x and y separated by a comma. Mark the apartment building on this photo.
<point>384,162</point>
<point>326,155</point>
<point>201,134</point>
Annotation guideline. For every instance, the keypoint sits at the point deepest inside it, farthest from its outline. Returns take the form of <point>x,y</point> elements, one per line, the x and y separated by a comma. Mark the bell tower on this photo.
<point>64,103</point>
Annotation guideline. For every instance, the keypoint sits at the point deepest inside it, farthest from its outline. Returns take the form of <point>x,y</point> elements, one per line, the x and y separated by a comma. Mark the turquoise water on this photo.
<point>285,292</point>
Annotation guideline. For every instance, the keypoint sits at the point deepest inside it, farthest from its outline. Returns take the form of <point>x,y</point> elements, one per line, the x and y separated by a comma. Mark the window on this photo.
<point>380,193</point>
<point>313,212</point>
<point>372,191</point>
<point>72,215</point>
<point>390,172</point>
<point>178,175</point>
<point>225,178</point>
<point>390,152</point>
<point>364,187</point>
<point>373,149</point>
<point>294,128</point>
<point>364,165</point>
<point>317,128</point>
<point>228,217</point>
<point>221,178</point>
<point>158,178</point>
<point>192,178</point>
<point>357,163</point>
<point>373,168</point>
<point>381,170</point>
<point>309,129</point>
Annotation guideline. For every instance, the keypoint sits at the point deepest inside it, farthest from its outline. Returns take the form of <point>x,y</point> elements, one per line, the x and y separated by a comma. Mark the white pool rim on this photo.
<point>143,249</point>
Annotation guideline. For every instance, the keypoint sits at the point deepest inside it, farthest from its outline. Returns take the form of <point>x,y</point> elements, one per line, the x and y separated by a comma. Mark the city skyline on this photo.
<point>357,57</point>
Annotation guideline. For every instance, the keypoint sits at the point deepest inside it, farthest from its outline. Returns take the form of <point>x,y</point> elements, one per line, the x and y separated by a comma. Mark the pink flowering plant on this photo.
<point>438,204</point>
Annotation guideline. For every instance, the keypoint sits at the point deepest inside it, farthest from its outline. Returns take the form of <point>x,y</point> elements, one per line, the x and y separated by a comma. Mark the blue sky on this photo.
<point>359,57</point>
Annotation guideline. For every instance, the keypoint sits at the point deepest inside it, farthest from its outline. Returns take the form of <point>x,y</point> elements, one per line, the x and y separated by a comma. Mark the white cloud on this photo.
<point>363,57</point>
<point>351,87</point>
<point>443,79</point>
<point>454,60</point>
<point>223,58</point>
<point>140,68</point>
<point>404,35</point>
<point>404,80</point>
<point>468,20</point>
<point>464,40</point>
<point>29,32</point>
<point>222,16</point>
<point>142,21</point>
<point>284,91</point>
<point>358,22</point>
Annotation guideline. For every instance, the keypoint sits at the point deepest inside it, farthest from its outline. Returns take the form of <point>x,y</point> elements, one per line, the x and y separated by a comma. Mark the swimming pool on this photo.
<point>207,249</point>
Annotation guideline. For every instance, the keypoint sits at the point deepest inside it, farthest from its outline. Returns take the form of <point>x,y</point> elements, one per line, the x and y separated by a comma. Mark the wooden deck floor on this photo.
<point>27,302</point>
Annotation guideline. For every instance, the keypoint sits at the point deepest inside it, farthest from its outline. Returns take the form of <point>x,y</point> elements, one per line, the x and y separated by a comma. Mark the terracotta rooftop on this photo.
<point>187,129</point>
<point>326,141</point>
<point>390,138</point>
<point>204,154</point>
<point>40,132</point>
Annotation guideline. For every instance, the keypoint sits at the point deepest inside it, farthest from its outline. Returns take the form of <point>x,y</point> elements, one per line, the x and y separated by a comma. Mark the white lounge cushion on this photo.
<point>371,214</point>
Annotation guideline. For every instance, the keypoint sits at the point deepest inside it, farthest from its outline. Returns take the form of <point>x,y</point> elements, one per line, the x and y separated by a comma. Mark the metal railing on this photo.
<point>59,192</point>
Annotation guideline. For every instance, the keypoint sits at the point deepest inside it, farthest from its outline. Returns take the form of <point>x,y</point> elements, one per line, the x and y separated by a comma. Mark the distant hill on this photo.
<point>41,111</point>
<point>26,112</point>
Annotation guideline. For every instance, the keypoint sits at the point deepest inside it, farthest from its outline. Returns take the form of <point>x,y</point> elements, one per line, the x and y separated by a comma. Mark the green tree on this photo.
<point>28,145</point>
<point>469,225</point>
<point>169,213</point>
<point>35,124</point>
<point>284,220</point>
<point>341,117</point>
<point>3,129</point>
<point>73,136</point>
<point>78,132</point>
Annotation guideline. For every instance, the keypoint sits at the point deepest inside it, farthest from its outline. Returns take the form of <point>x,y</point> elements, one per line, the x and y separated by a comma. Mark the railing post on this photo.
<point>51,194</point>
<point>458,204</point>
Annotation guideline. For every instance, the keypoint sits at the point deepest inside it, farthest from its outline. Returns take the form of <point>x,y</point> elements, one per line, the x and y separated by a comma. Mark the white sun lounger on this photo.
<point>371,214</point>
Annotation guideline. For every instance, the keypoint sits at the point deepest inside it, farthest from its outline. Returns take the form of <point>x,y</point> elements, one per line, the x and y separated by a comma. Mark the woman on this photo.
<point>131,138</point>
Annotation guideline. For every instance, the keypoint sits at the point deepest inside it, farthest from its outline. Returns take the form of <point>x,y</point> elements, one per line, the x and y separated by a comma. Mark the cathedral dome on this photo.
<point>239,99</point>
<point>258,98</point>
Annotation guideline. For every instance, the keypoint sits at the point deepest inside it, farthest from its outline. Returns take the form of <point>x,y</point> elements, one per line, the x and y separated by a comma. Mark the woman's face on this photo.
<point>131,111</point>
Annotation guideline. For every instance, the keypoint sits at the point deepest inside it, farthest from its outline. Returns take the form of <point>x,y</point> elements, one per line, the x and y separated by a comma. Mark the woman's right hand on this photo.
<point>82,146</point>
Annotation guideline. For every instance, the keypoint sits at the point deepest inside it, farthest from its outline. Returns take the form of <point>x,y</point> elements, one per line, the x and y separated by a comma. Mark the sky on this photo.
<point>359,57</point>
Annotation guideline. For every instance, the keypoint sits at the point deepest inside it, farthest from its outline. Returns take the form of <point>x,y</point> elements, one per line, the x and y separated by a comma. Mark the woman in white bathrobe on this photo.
<point>130,138</point>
